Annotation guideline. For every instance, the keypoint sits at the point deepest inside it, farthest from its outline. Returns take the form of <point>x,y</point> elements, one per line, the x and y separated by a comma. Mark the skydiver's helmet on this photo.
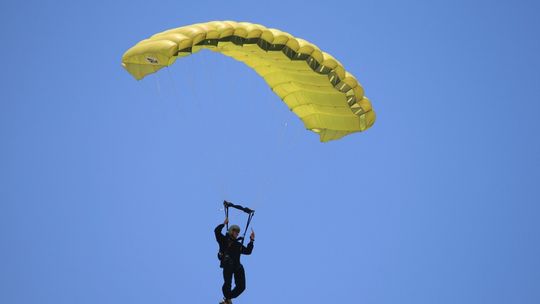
<point>234,228</point>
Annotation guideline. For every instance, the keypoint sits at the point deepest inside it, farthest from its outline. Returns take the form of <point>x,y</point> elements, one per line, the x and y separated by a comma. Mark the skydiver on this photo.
<point>230,249</point>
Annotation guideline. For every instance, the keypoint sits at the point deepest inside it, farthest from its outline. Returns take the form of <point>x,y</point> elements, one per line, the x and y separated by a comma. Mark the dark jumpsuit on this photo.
<point>230,262</point>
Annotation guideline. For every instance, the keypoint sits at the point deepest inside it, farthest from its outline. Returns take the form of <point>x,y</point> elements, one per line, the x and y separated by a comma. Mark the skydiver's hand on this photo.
<point>252,235</point>
<point>226,221</point>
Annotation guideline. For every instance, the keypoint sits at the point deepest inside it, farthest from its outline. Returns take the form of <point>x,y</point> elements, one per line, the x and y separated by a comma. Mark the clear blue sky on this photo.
<point>110,188</point>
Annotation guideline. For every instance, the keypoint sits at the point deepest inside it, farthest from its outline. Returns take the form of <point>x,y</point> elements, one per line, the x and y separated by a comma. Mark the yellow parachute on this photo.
<point>313,84</point>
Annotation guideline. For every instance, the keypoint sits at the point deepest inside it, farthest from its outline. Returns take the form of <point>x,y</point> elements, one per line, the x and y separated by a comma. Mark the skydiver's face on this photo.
<point>234,234</point>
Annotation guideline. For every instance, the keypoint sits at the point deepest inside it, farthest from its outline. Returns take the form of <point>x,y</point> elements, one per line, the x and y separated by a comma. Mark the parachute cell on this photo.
<point>313,84</point>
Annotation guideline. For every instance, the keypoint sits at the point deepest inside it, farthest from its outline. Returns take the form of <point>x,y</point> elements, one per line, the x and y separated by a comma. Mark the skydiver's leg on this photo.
<point>227,281</point>
<point>239,281</point>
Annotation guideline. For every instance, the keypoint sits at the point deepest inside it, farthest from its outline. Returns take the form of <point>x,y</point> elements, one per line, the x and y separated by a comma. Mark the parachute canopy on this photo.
<point>313,84</point>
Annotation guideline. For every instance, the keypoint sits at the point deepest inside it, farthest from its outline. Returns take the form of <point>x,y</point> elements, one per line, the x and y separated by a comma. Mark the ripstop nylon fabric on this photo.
<point>314,85</point>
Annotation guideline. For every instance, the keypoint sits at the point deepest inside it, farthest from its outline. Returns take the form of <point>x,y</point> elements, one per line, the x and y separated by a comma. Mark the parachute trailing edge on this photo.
<point>314,85</point>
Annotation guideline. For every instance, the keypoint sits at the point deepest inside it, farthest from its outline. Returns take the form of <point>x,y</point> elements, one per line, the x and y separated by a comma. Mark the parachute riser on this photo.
<point>249,211</point>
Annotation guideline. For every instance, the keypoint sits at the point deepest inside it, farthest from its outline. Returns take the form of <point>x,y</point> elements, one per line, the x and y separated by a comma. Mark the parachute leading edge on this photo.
<point>313,84</point>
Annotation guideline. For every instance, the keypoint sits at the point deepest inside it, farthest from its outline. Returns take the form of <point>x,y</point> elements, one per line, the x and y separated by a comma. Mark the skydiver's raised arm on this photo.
<point>247,250</point>
<point>217,230</point>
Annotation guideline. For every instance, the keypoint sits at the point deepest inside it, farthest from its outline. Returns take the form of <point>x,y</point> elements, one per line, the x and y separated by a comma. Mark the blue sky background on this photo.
<point>110,188</point>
